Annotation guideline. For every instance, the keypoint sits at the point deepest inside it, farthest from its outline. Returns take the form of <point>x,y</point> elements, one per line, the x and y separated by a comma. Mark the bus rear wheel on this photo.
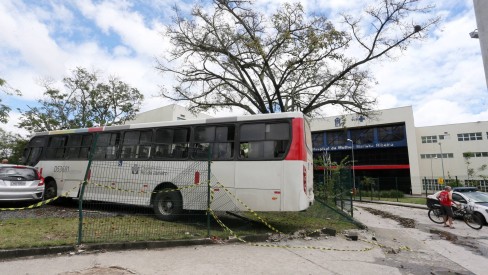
<point>50,190</point>
<point>168,204</point>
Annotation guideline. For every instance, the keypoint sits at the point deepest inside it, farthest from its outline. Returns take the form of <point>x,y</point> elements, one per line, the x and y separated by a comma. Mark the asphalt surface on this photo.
<point>387,247</point>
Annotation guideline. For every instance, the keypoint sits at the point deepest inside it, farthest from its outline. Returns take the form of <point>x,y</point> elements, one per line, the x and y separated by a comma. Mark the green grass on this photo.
<point>317,216</point>
<point>416,200</point>
<point>41,232</point>
<point>23,233</point>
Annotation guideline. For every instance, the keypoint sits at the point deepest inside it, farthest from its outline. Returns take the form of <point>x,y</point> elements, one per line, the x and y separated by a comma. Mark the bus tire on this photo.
<point>50,190</point>
<point>167,204</point>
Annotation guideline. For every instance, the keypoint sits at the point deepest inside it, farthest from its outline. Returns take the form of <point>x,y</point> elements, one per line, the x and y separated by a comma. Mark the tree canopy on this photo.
<point>236,57</point>
<point>11,146</point>
<point>4,109</point>
<point>86,101</point>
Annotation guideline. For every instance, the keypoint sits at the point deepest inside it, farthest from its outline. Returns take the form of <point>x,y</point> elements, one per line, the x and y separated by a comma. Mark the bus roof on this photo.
<point>174,123</point>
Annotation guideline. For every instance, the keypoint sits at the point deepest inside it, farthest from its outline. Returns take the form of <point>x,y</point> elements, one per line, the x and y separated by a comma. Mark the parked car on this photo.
<point>20,183</point>
<point>466,195</point>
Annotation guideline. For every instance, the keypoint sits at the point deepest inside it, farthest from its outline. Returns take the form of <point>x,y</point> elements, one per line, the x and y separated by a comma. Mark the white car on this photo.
<point>20,183</point>
<point>466,195</point>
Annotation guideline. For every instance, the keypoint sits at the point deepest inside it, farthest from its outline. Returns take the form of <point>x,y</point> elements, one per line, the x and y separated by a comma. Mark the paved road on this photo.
<point>403,251</point>
<point>462,246</point>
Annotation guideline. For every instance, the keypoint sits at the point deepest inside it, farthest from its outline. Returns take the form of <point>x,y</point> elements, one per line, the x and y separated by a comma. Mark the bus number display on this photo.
<point>59,169</point>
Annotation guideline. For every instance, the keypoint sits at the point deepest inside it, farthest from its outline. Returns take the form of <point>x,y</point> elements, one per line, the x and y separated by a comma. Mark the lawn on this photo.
<point>415,200</point>
<point>50,231</point>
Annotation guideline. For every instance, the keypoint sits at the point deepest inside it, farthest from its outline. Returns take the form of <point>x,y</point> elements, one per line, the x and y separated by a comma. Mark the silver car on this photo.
<point>20,183</point>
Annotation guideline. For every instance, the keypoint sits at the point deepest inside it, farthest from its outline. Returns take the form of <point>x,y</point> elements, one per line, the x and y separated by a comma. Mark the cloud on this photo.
<point>443,74</point>
<point>116,16</point>
<point>442,77</point>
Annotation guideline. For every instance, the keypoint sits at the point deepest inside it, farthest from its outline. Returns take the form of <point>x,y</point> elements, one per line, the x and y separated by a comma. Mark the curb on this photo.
<point>396,204</point>
<point>94,248</point>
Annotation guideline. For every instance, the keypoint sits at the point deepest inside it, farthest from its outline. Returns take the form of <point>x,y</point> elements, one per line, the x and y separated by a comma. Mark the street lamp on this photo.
<point>353,173</point>
<point>442,161</point>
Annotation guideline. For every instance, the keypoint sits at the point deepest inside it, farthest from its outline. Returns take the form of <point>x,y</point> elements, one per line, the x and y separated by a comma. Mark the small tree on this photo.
<point>4,109</point>
<point>11,146</point>
<point>467,159</point>
<point>86,101</point>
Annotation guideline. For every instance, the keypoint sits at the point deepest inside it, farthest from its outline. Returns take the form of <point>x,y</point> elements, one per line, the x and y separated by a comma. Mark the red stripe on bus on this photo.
<point>372,167</point>
<point>95,129</point>
<point>297,147</point>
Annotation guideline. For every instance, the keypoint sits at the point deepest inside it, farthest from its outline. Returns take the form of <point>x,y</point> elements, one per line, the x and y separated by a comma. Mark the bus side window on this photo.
<point>107,145</point>
<point>264,140</point>
<point>218,139</point>
<point>171,143</point>
<point>78,146</point>
<point>56,147</point>
<point>144,147</point>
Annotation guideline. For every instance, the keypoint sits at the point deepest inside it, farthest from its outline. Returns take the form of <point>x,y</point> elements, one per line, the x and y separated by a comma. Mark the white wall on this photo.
<point>167,113</point>
<point>455,166</point>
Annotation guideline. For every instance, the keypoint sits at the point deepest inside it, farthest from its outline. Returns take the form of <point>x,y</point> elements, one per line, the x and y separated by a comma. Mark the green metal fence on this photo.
<point>335,187</point>
<point>116,195</point>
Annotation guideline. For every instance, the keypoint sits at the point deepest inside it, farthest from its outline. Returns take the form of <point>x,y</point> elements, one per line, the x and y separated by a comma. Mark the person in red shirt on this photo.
<point>445,198</point>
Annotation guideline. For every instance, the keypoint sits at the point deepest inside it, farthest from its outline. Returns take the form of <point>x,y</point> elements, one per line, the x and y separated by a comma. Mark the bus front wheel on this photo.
<point>168,204</point>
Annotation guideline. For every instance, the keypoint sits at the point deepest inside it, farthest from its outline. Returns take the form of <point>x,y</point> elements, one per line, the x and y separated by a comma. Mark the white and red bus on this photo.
<point>265,160</point>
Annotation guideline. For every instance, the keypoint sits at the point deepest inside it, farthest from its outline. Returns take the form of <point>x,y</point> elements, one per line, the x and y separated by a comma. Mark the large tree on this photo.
<point>86,101</point>
<point>234,56</point>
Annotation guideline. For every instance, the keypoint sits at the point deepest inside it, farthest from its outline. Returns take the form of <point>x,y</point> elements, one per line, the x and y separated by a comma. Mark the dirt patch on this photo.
<point>405,222</point>
<point>112,270</point>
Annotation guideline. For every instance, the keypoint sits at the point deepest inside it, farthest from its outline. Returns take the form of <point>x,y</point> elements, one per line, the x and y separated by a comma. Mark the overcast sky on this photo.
<point>442,78</point>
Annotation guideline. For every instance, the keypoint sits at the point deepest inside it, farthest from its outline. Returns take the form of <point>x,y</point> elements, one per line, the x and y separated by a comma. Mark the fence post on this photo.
<point>80,201</point>
<point>352,211</point>
<point>425,184</point>
<point>360,189</point>
<point>396,187</point>
<point>208,188</point>
<point>379,193</point>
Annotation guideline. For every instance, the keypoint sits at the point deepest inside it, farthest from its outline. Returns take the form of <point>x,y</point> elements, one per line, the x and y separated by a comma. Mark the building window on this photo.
<point>317,140</point>
<point>429,139</point>
<point>362,136</point>
<point>335,138</point>
<point>437,156</point>
<point>470,136</point>
<point>475,154</point>
<point>391,133</point>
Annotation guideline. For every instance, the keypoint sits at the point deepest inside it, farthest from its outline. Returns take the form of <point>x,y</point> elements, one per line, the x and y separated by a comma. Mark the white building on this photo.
<point>167,113</point>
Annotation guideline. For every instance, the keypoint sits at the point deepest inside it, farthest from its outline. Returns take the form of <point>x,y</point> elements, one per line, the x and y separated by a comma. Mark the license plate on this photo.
<point>17,183</point>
